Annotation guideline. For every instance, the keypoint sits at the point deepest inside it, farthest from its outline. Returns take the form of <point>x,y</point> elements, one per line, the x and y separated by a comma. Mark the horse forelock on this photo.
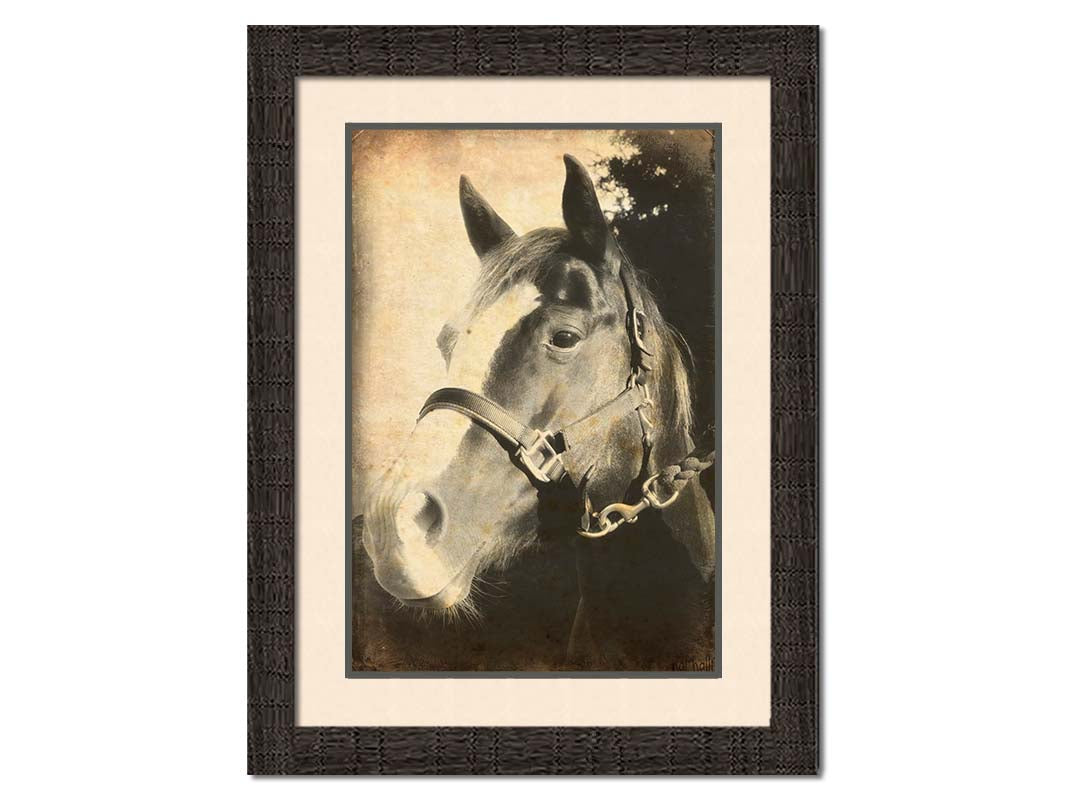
<point>518,259</point>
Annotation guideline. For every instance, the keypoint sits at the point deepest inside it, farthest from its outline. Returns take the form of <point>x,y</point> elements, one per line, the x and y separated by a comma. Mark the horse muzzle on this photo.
<point>402,534</point>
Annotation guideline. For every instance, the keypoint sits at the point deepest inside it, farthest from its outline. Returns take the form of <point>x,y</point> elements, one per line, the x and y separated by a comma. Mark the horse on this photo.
<point>482,536</point>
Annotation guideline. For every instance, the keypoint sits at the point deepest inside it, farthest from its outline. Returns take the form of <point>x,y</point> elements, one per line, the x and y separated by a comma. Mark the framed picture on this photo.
<point>533,400</point>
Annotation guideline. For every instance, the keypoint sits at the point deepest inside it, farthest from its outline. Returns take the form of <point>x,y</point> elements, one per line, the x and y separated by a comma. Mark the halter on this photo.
<point>543,456</point>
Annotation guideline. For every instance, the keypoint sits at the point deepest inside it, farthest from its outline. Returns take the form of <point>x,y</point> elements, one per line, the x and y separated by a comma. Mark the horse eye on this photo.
<point>565,340</point>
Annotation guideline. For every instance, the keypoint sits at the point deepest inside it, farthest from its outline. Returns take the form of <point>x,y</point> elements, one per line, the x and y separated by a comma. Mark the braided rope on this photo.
<point>675,477</point>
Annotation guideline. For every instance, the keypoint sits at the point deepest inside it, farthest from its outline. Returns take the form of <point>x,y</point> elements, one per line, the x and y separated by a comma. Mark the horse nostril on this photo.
<point>420,517</point>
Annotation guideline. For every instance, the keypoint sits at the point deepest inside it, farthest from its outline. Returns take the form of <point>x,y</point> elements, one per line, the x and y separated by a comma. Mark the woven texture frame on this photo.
<point>279,55</point>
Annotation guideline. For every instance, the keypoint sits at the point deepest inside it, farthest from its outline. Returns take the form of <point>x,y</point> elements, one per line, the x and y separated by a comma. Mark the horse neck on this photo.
<point>648,564</point>
<point>643,604</point>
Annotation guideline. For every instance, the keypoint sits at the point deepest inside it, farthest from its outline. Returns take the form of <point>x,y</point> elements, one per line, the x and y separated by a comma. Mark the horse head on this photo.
<point>544,338</point>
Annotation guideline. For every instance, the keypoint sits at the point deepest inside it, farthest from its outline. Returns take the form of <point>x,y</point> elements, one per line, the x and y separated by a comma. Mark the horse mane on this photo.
<point>526,258</point>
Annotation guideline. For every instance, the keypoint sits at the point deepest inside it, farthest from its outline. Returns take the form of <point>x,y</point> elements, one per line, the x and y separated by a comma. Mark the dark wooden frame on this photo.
<point>276,57</point>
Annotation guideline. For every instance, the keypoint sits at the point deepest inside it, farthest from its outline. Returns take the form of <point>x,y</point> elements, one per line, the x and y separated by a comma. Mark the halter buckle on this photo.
<point>638,323</point>
<point>549,458</point>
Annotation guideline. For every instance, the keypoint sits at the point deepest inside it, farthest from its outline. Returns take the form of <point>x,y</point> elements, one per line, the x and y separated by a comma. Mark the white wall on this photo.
<point>123,444</point>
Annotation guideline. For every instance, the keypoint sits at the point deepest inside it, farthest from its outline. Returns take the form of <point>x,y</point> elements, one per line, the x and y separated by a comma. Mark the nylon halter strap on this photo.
<point>543,455</point>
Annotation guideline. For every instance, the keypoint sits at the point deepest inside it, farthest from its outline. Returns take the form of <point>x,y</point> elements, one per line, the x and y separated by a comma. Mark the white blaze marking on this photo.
<point>437,437</point>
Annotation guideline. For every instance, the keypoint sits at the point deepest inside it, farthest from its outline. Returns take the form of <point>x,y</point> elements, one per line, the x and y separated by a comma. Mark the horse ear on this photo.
<point>485,228</point>
<point>585,221</point>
